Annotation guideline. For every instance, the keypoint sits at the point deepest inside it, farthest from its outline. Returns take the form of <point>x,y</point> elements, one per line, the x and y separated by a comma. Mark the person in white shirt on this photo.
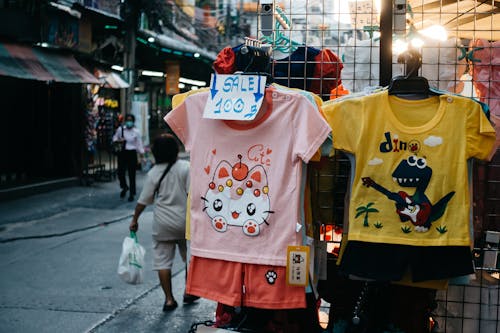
<point>166,186</point>
<point>127,159</point>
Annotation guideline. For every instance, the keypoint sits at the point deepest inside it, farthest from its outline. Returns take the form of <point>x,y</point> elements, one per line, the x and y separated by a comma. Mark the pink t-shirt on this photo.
<point>245,176</point>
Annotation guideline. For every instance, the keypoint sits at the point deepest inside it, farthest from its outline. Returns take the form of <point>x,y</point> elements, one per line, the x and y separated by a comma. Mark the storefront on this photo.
<point>42,99</point>
<point>166,65</point>
<point>103,117</point>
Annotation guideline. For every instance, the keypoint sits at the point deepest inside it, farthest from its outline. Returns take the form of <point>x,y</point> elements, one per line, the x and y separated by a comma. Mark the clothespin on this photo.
<point>252,42</point>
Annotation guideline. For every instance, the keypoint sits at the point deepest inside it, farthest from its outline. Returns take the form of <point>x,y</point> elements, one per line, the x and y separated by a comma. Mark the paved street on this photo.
<point>60,253</point>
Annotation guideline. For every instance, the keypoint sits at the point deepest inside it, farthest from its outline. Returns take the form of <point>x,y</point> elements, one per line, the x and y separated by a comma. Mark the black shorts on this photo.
<point>389,262</point>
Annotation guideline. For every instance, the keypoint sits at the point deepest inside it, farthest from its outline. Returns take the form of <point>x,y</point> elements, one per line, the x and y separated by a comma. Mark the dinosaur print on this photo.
<point>417,208</point>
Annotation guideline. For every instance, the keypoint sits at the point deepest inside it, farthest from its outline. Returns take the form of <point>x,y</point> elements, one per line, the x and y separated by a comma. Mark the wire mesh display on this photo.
<point>333,48</point>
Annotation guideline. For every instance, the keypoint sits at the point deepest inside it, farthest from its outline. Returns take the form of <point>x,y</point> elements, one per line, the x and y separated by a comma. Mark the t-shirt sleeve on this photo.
<point>179,121</point>
<point>480,134</point>
<point>178,99</point>
<point>346,120</point>
<point>148,188</point>
<point>311,130</point>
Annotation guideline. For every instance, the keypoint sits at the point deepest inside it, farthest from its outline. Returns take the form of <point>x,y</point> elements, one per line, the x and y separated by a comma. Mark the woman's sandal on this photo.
<point>189,299</point>
<point>169,307</point>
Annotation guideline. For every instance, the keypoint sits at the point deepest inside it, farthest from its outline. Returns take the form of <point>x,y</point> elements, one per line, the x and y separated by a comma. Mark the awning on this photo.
<point>176,43</point>
<point>111,79</point>
<point>32,63</point>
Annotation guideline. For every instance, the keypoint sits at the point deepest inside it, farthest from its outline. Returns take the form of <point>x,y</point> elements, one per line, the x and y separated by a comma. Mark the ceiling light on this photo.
<point>151,39</point>
<point>196,55</point>
<point>152,73</point>
<point>181,85</point>
<point>192,82</point>
<point>117,68</point>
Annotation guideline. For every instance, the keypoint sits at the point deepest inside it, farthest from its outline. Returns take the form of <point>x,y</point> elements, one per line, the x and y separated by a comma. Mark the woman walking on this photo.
<point>166,186</point>
<point>127,158</point>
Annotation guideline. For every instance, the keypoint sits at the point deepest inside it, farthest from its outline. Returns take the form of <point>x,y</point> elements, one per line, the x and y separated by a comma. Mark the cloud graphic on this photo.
<point>433,141</point>
<point>375,161</point>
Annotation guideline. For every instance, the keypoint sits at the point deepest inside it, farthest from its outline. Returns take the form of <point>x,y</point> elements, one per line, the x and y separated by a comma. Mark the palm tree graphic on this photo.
<point>365,210</point>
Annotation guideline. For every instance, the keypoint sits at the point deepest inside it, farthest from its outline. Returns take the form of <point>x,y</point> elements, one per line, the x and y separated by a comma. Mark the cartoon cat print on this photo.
<point>238,196</point>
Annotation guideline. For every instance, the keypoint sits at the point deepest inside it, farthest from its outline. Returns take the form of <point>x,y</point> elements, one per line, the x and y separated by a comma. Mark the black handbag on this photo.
<point>118,146</point>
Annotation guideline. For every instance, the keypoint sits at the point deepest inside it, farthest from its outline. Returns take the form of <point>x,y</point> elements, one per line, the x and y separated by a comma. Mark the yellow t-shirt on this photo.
<point>176,101</point>
<point>179,98</point>
<point>410,183</point>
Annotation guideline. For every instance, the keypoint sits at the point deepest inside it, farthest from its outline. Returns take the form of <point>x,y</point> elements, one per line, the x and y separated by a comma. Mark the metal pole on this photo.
<point>386,42</point>
<point>131,20</point>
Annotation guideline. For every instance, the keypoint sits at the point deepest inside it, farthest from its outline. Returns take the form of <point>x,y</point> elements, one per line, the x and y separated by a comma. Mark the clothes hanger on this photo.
<point>411,83</point>
<point>252,58</point>
<point>280,42</point>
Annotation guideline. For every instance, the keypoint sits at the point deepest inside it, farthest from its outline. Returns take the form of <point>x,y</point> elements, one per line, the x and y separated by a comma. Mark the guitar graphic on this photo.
<point>415,208</point>
<point>406,207</point>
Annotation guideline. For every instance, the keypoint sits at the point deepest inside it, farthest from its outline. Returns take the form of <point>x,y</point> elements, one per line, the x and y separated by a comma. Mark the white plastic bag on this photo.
<point>131,264</point>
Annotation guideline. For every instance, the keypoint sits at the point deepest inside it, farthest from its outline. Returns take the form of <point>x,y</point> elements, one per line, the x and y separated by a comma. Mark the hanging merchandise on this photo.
<point>399,232</point>
<point>293,61</point>
<point>322,69</point>
<point>108,114</point>
<point>248,167</point>
<point>242,193</point>
<point>102,119</point>
<point>425,202</point>
<point>91,118</point>
<point>484,58</point>
<point>395,205</point>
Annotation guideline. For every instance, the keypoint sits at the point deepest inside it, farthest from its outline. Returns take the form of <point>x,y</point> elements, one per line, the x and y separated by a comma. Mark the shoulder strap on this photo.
<point>167,169</point>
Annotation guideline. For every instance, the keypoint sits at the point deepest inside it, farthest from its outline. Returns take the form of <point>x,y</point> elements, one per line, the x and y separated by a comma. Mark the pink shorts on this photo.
<point>239,284</point>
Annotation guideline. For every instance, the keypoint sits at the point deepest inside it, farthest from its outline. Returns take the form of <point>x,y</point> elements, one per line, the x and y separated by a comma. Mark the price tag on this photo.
<point>235,97</point>
<point>297,265</point>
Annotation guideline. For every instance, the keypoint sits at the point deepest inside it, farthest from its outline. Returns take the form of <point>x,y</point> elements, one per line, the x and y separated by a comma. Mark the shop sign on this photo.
<point>235,97</point>
<point>62,30</point>
<point>173,71</point>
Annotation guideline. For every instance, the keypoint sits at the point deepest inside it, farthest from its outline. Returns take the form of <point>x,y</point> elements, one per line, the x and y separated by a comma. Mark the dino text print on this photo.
<point>238,196</point>
<point>416,208</point>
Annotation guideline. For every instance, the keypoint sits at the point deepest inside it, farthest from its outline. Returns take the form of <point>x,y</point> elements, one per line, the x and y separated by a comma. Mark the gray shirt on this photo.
<point>170,204</point>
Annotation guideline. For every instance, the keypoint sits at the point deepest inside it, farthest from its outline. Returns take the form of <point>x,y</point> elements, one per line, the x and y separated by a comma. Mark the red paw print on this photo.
<point>219,223</point>
<point>251,228</point>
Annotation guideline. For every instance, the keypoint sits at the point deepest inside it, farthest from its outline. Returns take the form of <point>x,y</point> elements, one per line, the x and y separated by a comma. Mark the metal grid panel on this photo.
<point>466,60</point>
<point>319,25</point>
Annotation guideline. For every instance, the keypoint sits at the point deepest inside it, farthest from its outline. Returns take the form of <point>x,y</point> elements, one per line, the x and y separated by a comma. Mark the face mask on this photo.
<point>129,124</point>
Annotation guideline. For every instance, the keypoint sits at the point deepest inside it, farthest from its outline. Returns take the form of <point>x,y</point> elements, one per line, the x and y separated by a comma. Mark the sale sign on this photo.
<point>235,97</point>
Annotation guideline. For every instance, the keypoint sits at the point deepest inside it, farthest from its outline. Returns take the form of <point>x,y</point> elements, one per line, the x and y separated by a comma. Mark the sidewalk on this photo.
<point>42,284</point>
